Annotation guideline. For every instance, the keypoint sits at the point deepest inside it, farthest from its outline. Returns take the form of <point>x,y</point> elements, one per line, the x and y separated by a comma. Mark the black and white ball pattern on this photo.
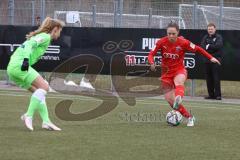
<point>174,118</point>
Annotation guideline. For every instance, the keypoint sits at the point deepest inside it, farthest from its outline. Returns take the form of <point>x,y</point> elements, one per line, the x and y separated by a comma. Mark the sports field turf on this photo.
<point>128,132</point>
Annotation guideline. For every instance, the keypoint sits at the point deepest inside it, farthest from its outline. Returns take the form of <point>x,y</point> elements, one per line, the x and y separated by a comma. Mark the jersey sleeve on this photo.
<point>189,46</point>
<point>41,39</point>
<point>35,42</point>
<point>153,52</point>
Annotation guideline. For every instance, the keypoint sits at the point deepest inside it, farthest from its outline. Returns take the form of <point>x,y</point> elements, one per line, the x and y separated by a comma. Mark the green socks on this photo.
<point>37,102</point>
<point>43,111</point>
<point>33,106</point>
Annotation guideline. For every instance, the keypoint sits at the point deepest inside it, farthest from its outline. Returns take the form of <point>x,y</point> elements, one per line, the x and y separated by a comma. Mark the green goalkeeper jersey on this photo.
<point>32,49</point>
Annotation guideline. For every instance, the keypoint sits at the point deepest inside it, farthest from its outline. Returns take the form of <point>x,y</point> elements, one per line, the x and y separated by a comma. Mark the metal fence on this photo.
<point>124,13</point>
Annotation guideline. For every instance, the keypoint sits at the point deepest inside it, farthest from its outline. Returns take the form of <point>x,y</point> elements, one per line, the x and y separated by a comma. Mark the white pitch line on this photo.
<point>5,92</point>
<point>121,101</point>
<point>88,98</point>
<point>139,100</point>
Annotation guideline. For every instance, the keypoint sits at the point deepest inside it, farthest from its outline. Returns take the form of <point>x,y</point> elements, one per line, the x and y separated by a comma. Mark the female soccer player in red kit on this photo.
<point>174,74</point>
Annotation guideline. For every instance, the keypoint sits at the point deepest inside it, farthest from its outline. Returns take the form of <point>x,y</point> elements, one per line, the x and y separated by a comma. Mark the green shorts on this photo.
<point>23,79</point>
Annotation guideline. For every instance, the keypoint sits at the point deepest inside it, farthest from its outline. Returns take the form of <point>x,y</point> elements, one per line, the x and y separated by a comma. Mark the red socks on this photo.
<point>183,111</point>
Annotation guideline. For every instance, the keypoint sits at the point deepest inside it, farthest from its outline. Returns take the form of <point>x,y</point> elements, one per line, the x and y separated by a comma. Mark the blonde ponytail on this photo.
<point>47,26</point>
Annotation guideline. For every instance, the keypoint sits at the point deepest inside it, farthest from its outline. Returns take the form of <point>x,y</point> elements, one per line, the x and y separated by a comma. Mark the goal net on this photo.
<point>206,14</point>
<point>85,19</point>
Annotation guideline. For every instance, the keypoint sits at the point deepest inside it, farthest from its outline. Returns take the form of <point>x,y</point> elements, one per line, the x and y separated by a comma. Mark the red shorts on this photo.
<point>167,82</point>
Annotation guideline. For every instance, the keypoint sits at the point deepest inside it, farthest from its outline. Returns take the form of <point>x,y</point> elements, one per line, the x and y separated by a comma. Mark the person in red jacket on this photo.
<point>173,48</point>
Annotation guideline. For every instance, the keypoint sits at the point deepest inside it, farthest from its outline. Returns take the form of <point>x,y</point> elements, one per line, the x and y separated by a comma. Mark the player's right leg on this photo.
<point>18,76</point>
<point>168,89</point>
<point>25,117</point>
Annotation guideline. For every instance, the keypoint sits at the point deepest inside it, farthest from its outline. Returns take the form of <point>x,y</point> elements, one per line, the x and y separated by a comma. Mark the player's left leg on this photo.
<point>179,81</point>
<point>28,116</point>
<point>40,94</point>
<point>170,97</point>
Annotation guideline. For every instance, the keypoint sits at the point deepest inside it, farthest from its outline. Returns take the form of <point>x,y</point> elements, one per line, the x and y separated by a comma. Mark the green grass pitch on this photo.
<point>128,132</point>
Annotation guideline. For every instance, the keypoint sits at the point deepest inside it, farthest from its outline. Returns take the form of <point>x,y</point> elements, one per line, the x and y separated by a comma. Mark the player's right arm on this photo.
<point>151,55</point>
<point>189,46</point>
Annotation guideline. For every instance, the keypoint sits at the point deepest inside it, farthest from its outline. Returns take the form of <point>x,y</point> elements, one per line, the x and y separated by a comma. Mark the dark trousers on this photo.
<point>213,79</point>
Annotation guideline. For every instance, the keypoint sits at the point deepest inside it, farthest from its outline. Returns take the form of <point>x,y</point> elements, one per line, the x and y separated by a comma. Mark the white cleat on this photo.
<point>177,102</point>
<point>27,121</point>
<point>50,126</point>
<point>86,84</point>
<point>191,121</point>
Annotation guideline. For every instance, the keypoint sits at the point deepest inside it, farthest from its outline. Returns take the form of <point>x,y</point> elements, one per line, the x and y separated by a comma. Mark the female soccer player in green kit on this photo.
<point>20,71</point>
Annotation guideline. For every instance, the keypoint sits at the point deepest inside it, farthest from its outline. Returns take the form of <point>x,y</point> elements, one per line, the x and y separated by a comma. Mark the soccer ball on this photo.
<point>174,118</point>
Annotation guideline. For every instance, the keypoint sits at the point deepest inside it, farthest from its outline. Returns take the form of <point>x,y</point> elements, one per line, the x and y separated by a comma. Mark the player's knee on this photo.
<point>179,82</point>
<point>169,98</point>
<point>170,102</point>
<point>46,87</point>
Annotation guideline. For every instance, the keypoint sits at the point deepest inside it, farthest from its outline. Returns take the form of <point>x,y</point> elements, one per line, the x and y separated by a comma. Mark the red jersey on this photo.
<point>173,53</point>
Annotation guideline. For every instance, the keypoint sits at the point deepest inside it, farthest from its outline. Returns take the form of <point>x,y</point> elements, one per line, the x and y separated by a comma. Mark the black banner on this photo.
<point>107,43</point>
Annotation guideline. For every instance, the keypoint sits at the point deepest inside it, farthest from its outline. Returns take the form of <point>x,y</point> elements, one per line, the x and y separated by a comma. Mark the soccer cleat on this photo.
<point>191,121</point>
<point>177,102</point>
<point>86,85</point>
<point>27,121</point>
<point>50,126</point>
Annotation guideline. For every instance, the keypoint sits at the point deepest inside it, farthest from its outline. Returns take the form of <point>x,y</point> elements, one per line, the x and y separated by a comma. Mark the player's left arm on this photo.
<point>189,46</point>
<point>35,42</point>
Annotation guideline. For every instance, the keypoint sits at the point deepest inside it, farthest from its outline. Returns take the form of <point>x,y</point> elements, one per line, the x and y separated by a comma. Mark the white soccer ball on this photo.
<point>174,118</point>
